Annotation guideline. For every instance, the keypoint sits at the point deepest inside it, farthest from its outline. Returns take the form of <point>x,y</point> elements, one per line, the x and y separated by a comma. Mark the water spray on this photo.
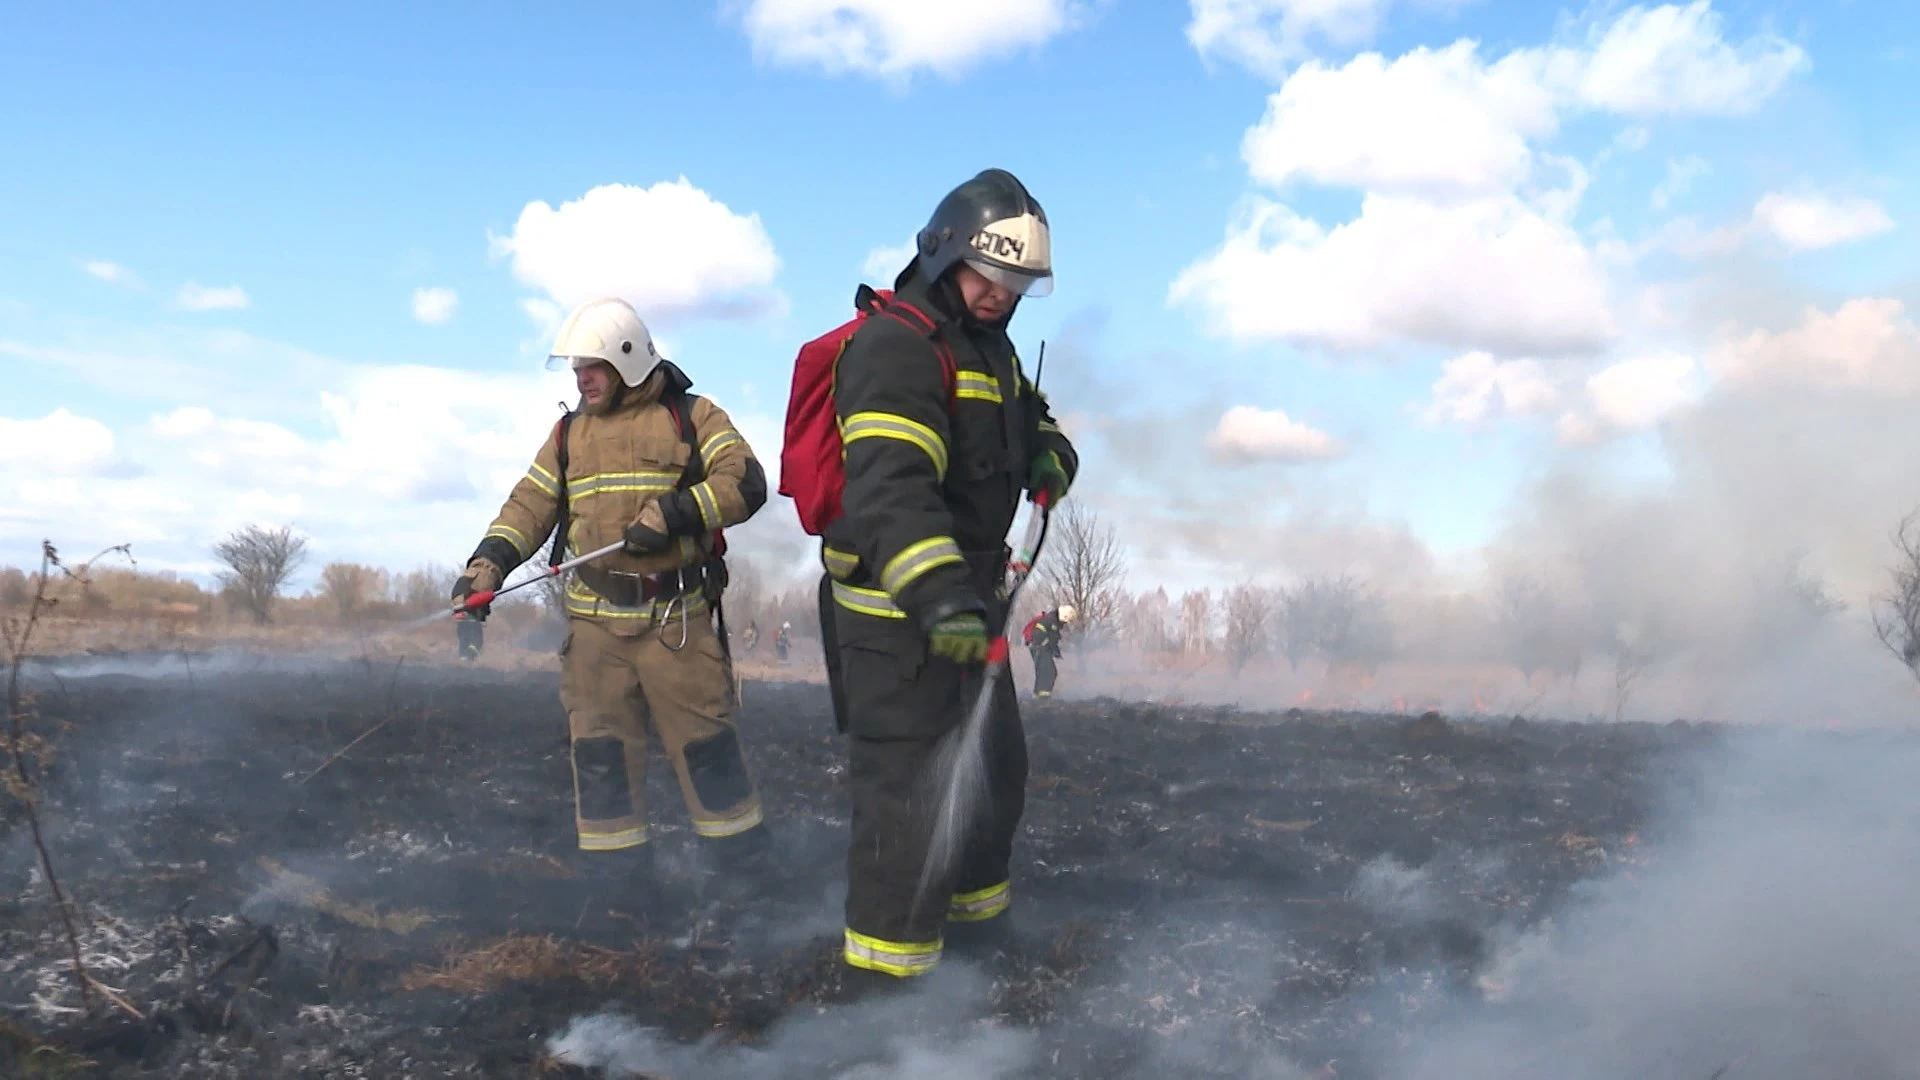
<point>963,753</point>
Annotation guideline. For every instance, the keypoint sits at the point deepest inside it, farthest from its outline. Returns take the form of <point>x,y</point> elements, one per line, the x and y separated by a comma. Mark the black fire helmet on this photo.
<point>995,225</point>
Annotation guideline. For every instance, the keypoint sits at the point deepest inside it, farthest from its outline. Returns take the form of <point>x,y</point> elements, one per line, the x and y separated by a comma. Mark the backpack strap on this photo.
<point>681,407</point>
<point>903,312</point>
<point>560,521</point>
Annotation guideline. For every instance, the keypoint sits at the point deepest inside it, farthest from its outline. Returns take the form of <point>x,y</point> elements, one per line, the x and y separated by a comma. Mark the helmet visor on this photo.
<point>1014,281</point>
<point>556,362</point>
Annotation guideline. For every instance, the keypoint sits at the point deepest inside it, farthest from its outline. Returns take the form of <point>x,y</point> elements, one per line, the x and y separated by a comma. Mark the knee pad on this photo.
<point>718,773</point>
<point>601,764</point>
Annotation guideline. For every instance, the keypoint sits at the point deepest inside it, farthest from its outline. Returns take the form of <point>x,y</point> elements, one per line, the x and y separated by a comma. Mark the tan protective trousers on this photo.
<point>615,689</point>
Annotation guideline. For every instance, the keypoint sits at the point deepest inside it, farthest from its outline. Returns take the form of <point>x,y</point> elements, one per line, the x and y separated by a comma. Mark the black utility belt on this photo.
<point>633,590</point>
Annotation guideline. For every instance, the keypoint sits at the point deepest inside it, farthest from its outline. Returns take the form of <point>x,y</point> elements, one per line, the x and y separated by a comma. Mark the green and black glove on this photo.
<point>960,637</point>
<point>1047,474</point>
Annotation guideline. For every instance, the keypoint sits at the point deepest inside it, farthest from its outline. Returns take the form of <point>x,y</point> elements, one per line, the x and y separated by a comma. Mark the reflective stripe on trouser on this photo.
<point>615,689</point>
<point>980,904</point>
<point>898,702</point>
<point>892,957</point>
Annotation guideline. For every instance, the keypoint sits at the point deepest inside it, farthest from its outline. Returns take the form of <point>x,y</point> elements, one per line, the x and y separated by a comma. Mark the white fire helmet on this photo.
<point>606,329</point>
<point>1067,612</point>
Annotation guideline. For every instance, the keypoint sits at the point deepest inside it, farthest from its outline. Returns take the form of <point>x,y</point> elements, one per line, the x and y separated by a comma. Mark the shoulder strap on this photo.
<point>560,521</point>
<point>681,407</point>
<point>908,314</point>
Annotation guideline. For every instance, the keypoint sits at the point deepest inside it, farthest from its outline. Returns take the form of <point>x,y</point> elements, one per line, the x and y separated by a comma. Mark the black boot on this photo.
<point>739,866</point>
<point>627,866</point>
<point>981,940</point>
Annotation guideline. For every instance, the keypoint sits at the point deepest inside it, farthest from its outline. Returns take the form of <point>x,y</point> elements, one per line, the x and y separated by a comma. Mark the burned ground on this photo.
<point>1199,893</point>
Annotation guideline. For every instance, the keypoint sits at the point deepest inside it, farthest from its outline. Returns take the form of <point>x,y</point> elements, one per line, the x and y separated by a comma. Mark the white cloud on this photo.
<point>59,443</point>
<point>671,250</point>
<point>1818,221</point>
<point>1461,240</point>
<point>885,263</point>
<point>1437,121</point>
<point>107,270</point>
<point>213,298</point>
<point>1672,59</point>
<point>434,305</point>
<point>1491,273</point>
<point>890,39</point>
<point>1267,35</point>
<point>1248,434</point>
<point>1868,343</point>
<point>1632,395</point>
<point>1476,387</point>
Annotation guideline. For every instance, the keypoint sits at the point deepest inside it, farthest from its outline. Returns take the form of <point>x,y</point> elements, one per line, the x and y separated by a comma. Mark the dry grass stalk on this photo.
<point>525,958</point>
<point>22,747</point>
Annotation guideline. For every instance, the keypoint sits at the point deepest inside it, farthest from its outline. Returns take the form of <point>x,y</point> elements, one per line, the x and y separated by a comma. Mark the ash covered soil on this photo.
<point>1198,893</point>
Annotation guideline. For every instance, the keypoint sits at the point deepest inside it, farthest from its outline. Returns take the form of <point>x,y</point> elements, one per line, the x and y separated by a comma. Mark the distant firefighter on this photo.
<point>783,641</point>
<point>1042,636</point>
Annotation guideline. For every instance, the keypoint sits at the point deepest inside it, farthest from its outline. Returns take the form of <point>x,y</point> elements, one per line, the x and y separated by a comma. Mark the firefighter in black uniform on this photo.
<point>1043,638</point>
<point>935,472</point>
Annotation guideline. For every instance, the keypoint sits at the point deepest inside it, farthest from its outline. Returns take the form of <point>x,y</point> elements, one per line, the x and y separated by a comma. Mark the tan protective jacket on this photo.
<point>619,465</point>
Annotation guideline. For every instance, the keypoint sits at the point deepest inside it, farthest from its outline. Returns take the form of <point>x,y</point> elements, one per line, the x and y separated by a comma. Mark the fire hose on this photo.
<point>484,597</point>
<point>964,755</point>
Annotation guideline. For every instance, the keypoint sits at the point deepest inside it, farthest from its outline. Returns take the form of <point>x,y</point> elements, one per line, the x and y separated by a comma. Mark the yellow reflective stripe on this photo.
<point>915,560</point>
<point>892,957</point>
<point>618,839</point>
<point>879,425</point>
<point>1048,426</point>
<point>543,479</point>
<point>580,487</point>
<point>512,536</point>
<point>977,385</point>
<point>709,506</point>
<point>866,601</point>
<point>980,904</point>
<point>588,604</point>
<point>717,442</point>
<point>740,822</point>
<point>839,563</point>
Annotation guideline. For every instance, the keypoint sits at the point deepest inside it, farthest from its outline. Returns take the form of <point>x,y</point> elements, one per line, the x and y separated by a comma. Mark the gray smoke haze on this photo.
<point>882,1038</point>
<point>1769,935</point>
<point>1730,564</point>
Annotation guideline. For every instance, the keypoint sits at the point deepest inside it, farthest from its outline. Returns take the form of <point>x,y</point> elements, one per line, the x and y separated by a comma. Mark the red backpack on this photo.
<point>813,462</point>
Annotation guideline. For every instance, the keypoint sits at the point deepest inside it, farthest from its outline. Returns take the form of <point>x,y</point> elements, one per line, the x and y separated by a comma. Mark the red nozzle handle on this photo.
<point>997,651</point>
<point>477,600</point>
<point>1043,499</point>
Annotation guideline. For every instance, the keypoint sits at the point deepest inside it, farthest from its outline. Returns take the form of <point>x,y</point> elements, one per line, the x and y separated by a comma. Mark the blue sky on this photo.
<point>1607,168</point>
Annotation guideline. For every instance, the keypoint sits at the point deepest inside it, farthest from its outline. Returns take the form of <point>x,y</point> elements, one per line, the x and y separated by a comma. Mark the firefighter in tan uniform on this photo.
<point>647,463</point>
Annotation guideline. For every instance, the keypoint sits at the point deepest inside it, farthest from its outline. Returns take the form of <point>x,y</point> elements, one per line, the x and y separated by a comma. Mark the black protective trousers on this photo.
<point>899,706</point>
<point>1046,669</point>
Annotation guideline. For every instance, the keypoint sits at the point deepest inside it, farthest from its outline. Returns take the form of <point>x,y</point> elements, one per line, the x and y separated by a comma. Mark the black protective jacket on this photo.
<point>932,484</point>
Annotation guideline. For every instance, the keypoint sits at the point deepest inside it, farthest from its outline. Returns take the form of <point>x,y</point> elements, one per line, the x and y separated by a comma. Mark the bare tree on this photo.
<point>1196,621</point>
<point>1250,610</point>
<point>1083,565</point>
<point>1144,621</point>
<point>1537,633</point>
<point>350,587</point>
<point>425,588</point>
<point>1789,603</point>
<point>1338,619</point>
<point>1896,613</point>
<point>259,561</point>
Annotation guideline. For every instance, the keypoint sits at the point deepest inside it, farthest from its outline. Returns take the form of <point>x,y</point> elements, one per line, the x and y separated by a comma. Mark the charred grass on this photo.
<point>1198,891</point>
